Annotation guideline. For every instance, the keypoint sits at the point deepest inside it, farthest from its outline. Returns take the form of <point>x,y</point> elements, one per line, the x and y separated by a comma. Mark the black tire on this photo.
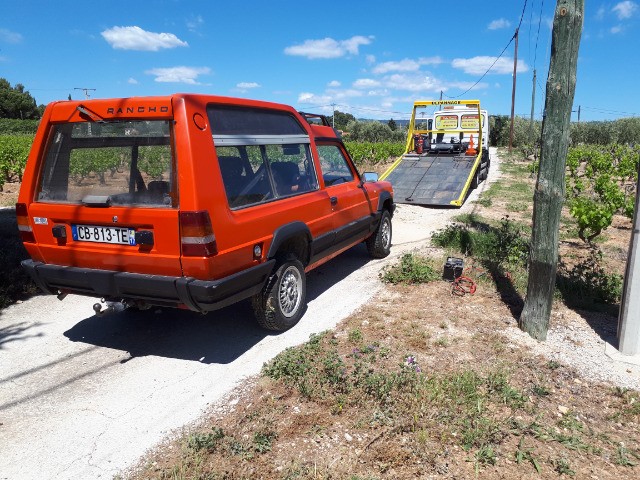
<point>379,243</point>
<point>476,180</point>
<point>282,301</point>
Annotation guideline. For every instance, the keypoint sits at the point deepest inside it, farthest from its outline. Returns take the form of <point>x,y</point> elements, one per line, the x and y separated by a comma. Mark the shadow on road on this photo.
<point>17,331</point>
<point>218,337</point>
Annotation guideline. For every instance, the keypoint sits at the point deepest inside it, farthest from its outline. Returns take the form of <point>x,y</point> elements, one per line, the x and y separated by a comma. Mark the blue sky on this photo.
<point>370,58</point>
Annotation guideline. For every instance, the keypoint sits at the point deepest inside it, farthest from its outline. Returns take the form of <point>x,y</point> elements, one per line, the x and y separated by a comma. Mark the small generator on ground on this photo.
<point>452,269</point>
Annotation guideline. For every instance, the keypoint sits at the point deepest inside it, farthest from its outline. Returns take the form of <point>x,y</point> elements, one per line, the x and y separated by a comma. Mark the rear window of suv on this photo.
<point>109,163</point>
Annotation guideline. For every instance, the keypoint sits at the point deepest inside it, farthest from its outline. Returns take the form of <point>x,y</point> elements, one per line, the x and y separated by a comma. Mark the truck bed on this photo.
<point>432,179</point>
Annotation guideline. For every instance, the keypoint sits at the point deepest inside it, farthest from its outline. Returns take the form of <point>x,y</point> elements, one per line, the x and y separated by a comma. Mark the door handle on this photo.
<point>334,200</point>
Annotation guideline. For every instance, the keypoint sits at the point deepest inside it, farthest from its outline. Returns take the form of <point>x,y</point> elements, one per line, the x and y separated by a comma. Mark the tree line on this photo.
<point>17,103</point>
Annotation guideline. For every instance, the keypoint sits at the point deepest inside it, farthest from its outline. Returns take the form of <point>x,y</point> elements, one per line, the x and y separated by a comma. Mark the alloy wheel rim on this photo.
<point>289,293</point>
<point>386,233</point>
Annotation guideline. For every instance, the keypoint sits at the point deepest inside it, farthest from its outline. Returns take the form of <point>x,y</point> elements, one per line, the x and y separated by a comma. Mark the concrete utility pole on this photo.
<point>513,91</point>
<point>550,188</point>
<point>629,319</point>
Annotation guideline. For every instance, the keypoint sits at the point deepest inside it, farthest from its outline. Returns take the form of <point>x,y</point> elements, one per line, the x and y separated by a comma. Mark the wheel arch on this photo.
<point>294,237</point>
<point>385,202</point>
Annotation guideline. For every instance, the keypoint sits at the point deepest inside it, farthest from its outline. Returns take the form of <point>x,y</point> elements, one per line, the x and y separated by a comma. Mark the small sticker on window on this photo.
<point>40,221</point>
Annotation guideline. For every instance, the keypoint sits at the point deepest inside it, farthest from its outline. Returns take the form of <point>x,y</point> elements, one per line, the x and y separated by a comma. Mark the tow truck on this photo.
<point>446,154</point>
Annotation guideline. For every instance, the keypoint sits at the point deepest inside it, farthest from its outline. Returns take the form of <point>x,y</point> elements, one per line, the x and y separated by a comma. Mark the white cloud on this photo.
<point>600,13</point>
<point>366,83</point>
<point>498,24</point>
<point>333,84</point>
<point>314,99</point>
<point>188,75</point>
<point>328,47</point>
<point>248,85</point>
<point>194,23</point>
<point>479,65</point>
<point>378,93</point>
<point>625,9</point>
<point>412,82</point>
<point>135,38</point>
<point>342,94</point>
<point>406,65</point>
<point>7,36</point>
<point>466,86</point>
<point>132,81</point>
<point>616,29</point>
<point>371,59</point>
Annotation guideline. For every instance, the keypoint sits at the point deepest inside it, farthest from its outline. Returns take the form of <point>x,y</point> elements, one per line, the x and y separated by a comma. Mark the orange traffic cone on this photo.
<point>471,150</point>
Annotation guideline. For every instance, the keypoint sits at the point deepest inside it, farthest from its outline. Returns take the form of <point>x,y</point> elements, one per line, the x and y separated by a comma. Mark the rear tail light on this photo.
<point>24,225</point>
<point>196,234</point>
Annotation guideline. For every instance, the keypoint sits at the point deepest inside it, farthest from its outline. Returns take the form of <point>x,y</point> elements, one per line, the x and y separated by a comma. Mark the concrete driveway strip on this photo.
<point>83,396</point>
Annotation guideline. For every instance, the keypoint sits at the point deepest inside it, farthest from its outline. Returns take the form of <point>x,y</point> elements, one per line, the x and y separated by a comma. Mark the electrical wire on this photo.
<point>524,8</point>
<point>485,73</point>
<point>535,52</point>
<point>613,112</point>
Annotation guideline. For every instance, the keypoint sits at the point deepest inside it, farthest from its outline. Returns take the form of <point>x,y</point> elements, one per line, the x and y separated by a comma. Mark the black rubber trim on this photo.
<point>384,196</point>
<point>354,229</point>
<point>286,232</point>
<point>336,240</point>
<point>197,295</point>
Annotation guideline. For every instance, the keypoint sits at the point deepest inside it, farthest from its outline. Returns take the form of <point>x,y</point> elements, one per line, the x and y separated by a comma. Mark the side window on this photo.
<point>292,169</point>
<point>245,177</point>
<point>263,154</point>
<point>257,173</point>
<point>335,168</point>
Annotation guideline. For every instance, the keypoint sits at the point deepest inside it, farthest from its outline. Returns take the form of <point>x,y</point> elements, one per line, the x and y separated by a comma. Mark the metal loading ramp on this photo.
<point>432,179</point>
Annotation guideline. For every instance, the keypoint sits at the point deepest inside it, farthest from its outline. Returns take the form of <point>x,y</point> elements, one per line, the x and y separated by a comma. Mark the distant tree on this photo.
<point>341,119</point>
<point>373,131</point>
<point>392,124</point>
<point>16,102</point>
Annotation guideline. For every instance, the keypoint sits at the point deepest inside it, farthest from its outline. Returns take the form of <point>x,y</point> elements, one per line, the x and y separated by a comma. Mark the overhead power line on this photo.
<point>495,61</point>
<point>535,52</point>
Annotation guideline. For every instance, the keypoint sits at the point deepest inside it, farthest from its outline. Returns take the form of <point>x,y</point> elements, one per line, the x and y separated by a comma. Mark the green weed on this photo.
<point>205,441</point>
<point>411,269</point>
<point>262,440</point>
<point>563,467</point>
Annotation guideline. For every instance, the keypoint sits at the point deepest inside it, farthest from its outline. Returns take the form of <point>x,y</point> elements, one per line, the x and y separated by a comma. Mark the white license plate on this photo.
<point>99,234</point>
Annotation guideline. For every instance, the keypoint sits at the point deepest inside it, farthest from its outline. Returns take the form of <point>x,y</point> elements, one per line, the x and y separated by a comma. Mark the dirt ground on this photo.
<point>583,428</point>
<point>9,194</point>
<point>564,408</point>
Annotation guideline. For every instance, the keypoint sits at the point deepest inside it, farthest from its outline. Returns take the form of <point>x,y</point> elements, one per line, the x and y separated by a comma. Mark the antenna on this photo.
<point>86,91</point>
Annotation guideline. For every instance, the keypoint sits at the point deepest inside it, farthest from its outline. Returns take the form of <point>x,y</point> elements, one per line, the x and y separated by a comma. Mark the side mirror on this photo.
<point>370,177</point>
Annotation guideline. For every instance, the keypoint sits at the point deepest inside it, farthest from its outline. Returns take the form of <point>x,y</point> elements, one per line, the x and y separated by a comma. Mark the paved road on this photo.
<point>83,396</point>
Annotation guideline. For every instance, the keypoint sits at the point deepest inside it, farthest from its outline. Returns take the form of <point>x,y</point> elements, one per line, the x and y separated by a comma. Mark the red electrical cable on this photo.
<point>462,286</point>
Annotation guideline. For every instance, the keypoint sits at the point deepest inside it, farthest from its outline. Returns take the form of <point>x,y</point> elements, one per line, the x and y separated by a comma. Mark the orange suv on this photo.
<point>193,201</point>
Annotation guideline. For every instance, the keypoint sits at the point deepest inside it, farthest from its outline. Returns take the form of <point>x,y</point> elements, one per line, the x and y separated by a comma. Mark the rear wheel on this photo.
<point>379,243</point>
<point>476,180</point>
<point>282,301</point>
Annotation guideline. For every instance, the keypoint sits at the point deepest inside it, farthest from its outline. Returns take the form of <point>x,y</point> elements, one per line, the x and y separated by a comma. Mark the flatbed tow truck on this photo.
<point>446,155</point>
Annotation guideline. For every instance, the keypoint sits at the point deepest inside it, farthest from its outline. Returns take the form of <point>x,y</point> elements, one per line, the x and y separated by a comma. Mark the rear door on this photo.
<point>106,195</point>
<point>350,206</point>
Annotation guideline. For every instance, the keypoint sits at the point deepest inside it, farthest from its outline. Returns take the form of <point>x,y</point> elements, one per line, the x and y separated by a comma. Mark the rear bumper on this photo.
<point>197,295</point>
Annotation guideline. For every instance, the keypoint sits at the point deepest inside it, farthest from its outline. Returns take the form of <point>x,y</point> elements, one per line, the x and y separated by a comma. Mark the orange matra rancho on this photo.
<point>193,201</point>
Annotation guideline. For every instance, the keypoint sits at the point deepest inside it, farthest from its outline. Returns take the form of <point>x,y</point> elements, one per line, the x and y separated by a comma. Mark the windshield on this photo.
<point>109,163</point>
